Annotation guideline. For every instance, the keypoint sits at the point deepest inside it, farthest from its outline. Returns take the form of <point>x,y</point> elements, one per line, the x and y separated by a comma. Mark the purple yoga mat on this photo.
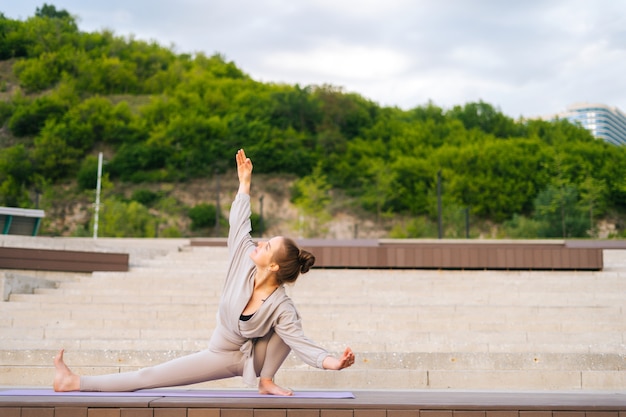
<point>179,393</point>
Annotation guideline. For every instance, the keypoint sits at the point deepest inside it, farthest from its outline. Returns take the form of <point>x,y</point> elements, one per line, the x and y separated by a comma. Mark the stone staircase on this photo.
<point>410,329</point>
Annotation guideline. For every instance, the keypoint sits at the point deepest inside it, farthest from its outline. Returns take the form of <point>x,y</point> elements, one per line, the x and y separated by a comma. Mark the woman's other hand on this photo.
<point>346,360</point>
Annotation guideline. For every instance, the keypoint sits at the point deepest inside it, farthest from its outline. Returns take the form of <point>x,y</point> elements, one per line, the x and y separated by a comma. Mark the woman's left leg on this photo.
<point>202,366</point>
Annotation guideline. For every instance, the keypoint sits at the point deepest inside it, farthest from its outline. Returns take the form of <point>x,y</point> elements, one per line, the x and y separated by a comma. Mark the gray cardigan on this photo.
<point>277,313</point>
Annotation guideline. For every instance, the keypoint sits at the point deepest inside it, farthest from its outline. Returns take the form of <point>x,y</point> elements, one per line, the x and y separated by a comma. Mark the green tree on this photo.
<point>146,197</point>
<point>414,228</point>
<point>124,219</point>
<point>381,189</point>
<point>15,162</point>
<point>13,193</point>
<point>38,73</point>
<point>348,113</point>
<point>107,75</point>
<point>311,195</point>
<point>295,108</point>
<point>486,118</point>
<point>593,199</point>
<point>521,227</point>
<point>53,157</point>
<point>87,177</point>
<point>16,176</point>
<point>218,66</point>
<point>13,42</point>
<point>202,216</point>
<point>87,123</point>
<point>48,31</point>
<point>496,178</point>
<point>556,210</point>
<point>558,201</point>
<point>30,117</point>
<point>137,162</point>
<point>6,111</point>
<point>48,10</point>
<point>415,181</point>
<point>283,152</point>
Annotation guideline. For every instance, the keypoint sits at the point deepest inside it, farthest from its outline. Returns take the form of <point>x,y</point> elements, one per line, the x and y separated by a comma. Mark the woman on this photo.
<point>257,326</point>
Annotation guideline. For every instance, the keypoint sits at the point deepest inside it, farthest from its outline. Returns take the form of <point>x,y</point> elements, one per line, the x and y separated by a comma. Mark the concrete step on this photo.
<point>396,328</point>
<point>419,370</point>
<point>379,379</point>
<point>140,346</point>
<point>347,292</point>
<point>145,316</point>
<point>110,334</point>
<point>128,292</point>
<point>410,329</point>
<point>419,360</point>
<point>46,299</point>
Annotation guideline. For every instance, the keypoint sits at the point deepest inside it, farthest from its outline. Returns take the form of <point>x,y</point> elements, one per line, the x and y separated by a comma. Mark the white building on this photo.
<point>605,122</point>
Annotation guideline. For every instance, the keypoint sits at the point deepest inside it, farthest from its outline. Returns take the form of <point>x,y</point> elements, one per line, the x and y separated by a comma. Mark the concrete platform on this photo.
<point>365,404</point>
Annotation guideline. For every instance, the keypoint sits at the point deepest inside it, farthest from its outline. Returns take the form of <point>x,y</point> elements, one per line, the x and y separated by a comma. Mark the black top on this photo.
<point>246,317</point>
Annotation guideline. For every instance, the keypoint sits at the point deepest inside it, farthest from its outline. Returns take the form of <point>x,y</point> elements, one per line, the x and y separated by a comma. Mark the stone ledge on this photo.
<point>390,403</point>
<point>11,283</point>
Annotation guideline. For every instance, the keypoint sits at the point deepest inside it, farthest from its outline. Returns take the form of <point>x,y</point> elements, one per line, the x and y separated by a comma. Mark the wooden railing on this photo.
<point>457,255</point>
<point>61,260</point>
<point>452,254</point>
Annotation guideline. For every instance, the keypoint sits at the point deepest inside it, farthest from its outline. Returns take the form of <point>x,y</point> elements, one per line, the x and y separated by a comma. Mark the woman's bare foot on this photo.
<point>64,379</point>
<point>267,386</point>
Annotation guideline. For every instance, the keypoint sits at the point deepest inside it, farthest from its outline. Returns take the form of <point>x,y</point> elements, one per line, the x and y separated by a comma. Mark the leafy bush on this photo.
<point>558,214</point>
<point>120,219</point>
<point>29,118</point>
<point>202,216</point>
<point>87,177</point>
<point>418,227</point>
<point>521,227</point>
<point>145,197</point>
<point>6,111</point>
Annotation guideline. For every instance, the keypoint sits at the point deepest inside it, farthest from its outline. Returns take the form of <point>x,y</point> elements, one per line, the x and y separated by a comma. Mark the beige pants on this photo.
<point>208,365</point>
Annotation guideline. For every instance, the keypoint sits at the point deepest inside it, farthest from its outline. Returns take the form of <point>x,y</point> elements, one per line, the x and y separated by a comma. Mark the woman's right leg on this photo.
<point>269,354</point>
<point>198,367</point>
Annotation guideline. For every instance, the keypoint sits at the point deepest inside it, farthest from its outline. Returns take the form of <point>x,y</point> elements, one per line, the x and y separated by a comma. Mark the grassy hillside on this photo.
<point>166,122</point>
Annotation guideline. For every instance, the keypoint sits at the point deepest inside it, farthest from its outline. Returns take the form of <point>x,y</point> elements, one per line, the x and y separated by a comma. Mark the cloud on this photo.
<point>338,60</point>
<point>528,58</point>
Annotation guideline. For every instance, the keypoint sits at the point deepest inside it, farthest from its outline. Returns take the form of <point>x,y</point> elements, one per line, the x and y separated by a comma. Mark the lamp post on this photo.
<point>98,187</point>
<point>261,225</point>
<point>439,214</point>
<point>217,202</point>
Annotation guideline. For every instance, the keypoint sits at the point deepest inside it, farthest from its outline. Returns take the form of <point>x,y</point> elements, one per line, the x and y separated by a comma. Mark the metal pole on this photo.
<point>467,225</point>
<point>261,225</point>
<point>440,221</point>
<point>98,187</point>
<point>217,203</point>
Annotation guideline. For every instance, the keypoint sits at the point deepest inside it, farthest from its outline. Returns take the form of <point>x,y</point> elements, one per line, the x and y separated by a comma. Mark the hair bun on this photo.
<point>306,260</point>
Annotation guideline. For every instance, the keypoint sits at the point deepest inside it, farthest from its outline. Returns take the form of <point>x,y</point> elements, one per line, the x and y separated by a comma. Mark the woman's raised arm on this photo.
<point>244,171</point>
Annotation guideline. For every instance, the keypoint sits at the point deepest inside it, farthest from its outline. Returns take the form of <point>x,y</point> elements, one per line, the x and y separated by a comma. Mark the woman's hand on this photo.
<point>244,171</point>
<point>346,360</point>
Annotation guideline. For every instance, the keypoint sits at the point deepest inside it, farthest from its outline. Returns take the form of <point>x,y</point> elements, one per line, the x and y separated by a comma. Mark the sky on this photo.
<point>527,59</point>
